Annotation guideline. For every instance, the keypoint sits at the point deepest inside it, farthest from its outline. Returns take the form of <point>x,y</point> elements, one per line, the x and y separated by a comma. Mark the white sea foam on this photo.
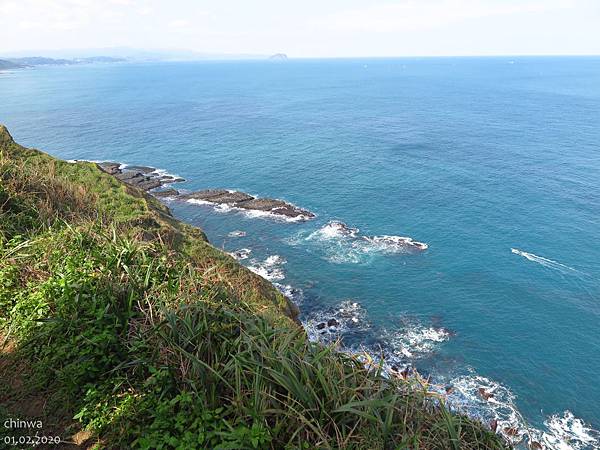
<point>395,244</point>
<point>222,208</point>
<point>242,253</point>
<point>549,263</point>
<point>125,166</point>
<point>471,394</point>
<point>195,201</point>
<point>270,268</point>
<point>250,213</point>
<point>414,340</point>
<point>344,244</point>
<point>237,233</point>
<point>490,401</point>
<point>294,294</point>
<point>334,323</point>
<point>567,432</point>
<point>466,396</point>
<point>255,213</point>
<point>159,173</point>
<point>334,229</point>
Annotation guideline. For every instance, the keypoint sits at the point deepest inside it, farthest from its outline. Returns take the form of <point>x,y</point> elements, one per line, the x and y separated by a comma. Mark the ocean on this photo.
<point>494,163</point>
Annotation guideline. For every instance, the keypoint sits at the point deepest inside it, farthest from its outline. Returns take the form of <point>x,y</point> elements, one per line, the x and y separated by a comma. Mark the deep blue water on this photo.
<point>474,156</point>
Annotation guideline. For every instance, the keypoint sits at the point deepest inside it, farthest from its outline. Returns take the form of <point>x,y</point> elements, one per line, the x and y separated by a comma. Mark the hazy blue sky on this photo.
<point>307,27</point>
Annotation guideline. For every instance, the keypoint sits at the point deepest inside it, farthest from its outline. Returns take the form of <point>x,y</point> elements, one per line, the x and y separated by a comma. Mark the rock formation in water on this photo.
<point>242,200</point>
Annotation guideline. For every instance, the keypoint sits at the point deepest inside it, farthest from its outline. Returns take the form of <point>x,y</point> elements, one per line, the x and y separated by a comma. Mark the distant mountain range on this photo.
<point>31,61</point>
<point>69,57</point>
<point>279,56</point>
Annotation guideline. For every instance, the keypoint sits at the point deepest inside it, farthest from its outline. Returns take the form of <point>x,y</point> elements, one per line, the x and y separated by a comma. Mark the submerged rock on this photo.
<point>171,179</point>
<point>205,194</point>
<point>278,207</point>
<point>246,201</point>
<point>166,193</point>
<point>231,198</point>
<point>147,178</point>
<point>129,176</point>
<point>142,169</point>
<point>142,177</point>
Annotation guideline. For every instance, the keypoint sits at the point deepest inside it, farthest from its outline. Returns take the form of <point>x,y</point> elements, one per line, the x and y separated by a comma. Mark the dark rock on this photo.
<point>148,184</point>
<point>246,201</point>
<point>321,326</point>
<point>206,194</point>
<point>494,425</point>
<point>111,168</point>
<point>142,169</point>
<point>139,180</point>
<point>485,394</point>
<point>170,179</point>
<point>127,176</point>
<point>332,323</point>
<point>166,193</point>
<point>275,207</point>
<point>219,196</point>
<point>263,204</point>
<point>235,197</point>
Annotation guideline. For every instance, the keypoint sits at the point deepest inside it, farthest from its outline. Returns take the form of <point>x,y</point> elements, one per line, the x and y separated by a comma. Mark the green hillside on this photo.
<point>121,327</point>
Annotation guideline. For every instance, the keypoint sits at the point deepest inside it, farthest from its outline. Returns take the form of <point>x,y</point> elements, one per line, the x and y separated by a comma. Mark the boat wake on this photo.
<point>549,263</point>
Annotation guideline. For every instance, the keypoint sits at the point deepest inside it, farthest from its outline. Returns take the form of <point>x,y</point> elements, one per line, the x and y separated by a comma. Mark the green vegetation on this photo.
<point>121,327</point>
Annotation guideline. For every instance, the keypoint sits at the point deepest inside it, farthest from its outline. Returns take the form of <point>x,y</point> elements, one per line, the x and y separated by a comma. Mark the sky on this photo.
<point>307,28</point>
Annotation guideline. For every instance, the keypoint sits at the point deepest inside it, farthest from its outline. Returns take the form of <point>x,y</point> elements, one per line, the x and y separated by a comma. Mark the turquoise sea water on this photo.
<point>493,162</point>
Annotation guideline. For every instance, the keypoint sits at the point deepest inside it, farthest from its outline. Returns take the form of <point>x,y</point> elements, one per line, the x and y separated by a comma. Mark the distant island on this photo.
<point>6,65</point>
<point>32,61</point>
<point>279,56</point>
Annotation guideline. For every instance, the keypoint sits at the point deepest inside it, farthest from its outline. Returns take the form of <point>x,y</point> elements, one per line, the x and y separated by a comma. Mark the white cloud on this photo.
<point>179,24</point>
<point>410,15</point>
<point>65,15</point>
<point>310,28</point>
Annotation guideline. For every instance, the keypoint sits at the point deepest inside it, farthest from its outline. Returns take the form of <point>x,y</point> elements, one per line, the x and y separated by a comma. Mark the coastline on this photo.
<point>329,327</point>
<point>156,221</point>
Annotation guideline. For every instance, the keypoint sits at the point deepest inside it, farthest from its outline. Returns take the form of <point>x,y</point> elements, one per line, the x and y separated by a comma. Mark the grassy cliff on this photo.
<point>121,327</point>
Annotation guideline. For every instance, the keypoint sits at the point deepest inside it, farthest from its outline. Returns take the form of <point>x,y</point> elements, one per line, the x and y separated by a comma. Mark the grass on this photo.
<point>133,330</point>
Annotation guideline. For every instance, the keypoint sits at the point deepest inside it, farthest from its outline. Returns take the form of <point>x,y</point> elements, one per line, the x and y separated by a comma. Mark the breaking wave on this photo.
<point>569,432</point>
<point>336,323</point>
<point>241,254</point>
<point>294,294</point>
<point>474,395</point>
<point>270,268</point>
<point>250,213</point>
<point>415,340</point>
<point>494,404</point>
<point>344,244</point>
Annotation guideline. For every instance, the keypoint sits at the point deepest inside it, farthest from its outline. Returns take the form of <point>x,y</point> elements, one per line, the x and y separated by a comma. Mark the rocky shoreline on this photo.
<point>149,179</point>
